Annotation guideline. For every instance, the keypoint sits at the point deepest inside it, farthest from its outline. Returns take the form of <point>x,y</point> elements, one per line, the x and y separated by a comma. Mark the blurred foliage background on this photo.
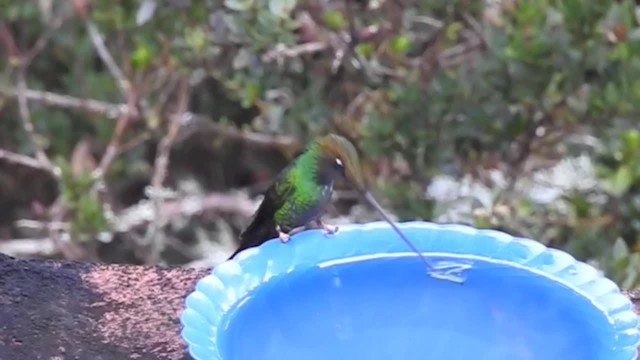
<point>144,131</point>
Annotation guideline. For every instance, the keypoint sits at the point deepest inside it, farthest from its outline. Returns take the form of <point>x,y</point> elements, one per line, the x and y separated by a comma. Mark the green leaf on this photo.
<point>141,56</point>
<point>452,30</point>
<point>400,44</point>
<point>239,5</point>
<point>196,38</point>
<point>620,182</point>
<point>251,93</point>
<point>631,139</point>
<point>620,249</point>
<point>281,8</point>
<point>365,49</point>
<point>335,20</point>
<point>632,272</point>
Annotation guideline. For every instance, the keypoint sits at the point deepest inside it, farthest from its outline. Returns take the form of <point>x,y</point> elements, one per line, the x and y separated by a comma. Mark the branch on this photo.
<point>127,92</point>
<point>22,248</point>
<point>105,56</point>
<point>459,54</point>
<point>27,124</point>
<point>280,51</point>
<point>476,28</point>
<point>130,219</point>
<point>448,58</point>
<point>160,166</point>
<point>143,212</point>
<point>42,225</point>
<point>109,110</point>
<point>8,42</point>
<point>112,111</point>
<point>197,124</point>
<point>521,147</point>
<point>23,160</point>
<point>164,147</point>
<point>23,108</point>
<point>114,144</point>
<point>43,39</point>
<point>352,42</point>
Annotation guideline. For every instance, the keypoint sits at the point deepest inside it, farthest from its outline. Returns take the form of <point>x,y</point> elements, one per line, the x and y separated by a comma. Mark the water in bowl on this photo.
<point>387,309</point>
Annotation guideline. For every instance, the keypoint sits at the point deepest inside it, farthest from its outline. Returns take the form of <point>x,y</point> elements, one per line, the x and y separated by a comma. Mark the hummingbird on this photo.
<point>300,193</point>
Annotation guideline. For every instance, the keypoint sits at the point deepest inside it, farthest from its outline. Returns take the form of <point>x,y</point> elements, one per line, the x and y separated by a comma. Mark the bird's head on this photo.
<point>342,155</point>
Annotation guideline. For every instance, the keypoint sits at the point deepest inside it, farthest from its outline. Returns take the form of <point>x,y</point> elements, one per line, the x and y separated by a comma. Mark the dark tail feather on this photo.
<point>255,235</point>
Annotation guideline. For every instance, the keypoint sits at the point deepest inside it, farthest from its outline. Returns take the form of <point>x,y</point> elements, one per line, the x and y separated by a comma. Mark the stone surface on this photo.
<point>74,310</point>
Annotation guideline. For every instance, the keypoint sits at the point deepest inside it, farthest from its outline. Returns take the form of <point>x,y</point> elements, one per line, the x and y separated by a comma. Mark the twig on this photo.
<point>522,146</point>
<point>126,89</point>
<point>28,247</point>
<point>27,124</point>
<point>143,212</point>
<point>113,111</point>
<point>56,230</point>
<point>197,124</point>
<point>41,225</point>
<point>435,23</point>
<point>114,144</point>
<point>43,39</point>
<point>280,51</point>
<point>352,41</point>
<point>476,28</point>
<point>138,140</point>
<point>22,160</point>
<point>448,58</point>
<point>160,166</point>
<point>68,102</point>
<point>21,77</point>
<point>458,54</point>
<point>8,42</point>
<point>164,147</point>
<point>105,56</point>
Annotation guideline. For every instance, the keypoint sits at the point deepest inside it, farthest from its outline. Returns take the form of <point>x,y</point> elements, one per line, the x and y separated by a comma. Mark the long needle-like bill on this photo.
<point>374,203</point>
<point>451,272</point>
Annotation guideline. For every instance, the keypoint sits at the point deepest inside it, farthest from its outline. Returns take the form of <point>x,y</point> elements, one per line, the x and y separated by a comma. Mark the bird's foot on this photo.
<point>328,229</point>
<point>284,237</point>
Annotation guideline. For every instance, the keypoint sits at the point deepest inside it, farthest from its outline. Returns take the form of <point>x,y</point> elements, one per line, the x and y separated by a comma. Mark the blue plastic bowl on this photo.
<point>360,294</point>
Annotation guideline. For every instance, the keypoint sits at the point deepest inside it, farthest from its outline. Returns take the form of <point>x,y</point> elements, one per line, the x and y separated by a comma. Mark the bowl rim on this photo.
<point>230,282</point>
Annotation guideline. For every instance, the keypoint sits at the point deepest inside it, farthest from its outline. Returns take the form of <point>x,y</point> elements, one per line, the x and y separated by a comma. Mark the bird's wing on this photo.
<point>263,225</point>
<point>274,198</point>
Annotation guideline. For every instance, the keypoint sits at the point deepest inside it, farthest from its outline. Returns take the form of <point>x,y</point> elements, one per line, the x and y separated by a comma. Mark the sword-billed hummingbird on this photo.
<point>300,193</point>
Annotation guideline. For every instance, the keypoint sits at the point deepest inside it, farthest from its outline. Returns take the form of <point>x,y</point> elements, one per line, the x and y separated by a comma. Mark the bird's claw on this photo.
<point>283,236</point>
<point>328,229</point>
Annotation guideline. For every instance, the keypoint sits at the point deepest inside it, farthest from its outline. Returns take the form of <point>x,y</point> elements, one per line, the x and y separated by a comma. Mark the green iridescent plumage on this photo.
<point>300,193</point>
<point>297,188</point>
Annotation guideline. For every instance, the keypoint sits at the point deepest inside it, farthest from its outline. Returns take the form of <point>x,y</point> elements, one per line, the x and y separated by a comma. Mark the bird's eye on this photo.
<point>339,162</point>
